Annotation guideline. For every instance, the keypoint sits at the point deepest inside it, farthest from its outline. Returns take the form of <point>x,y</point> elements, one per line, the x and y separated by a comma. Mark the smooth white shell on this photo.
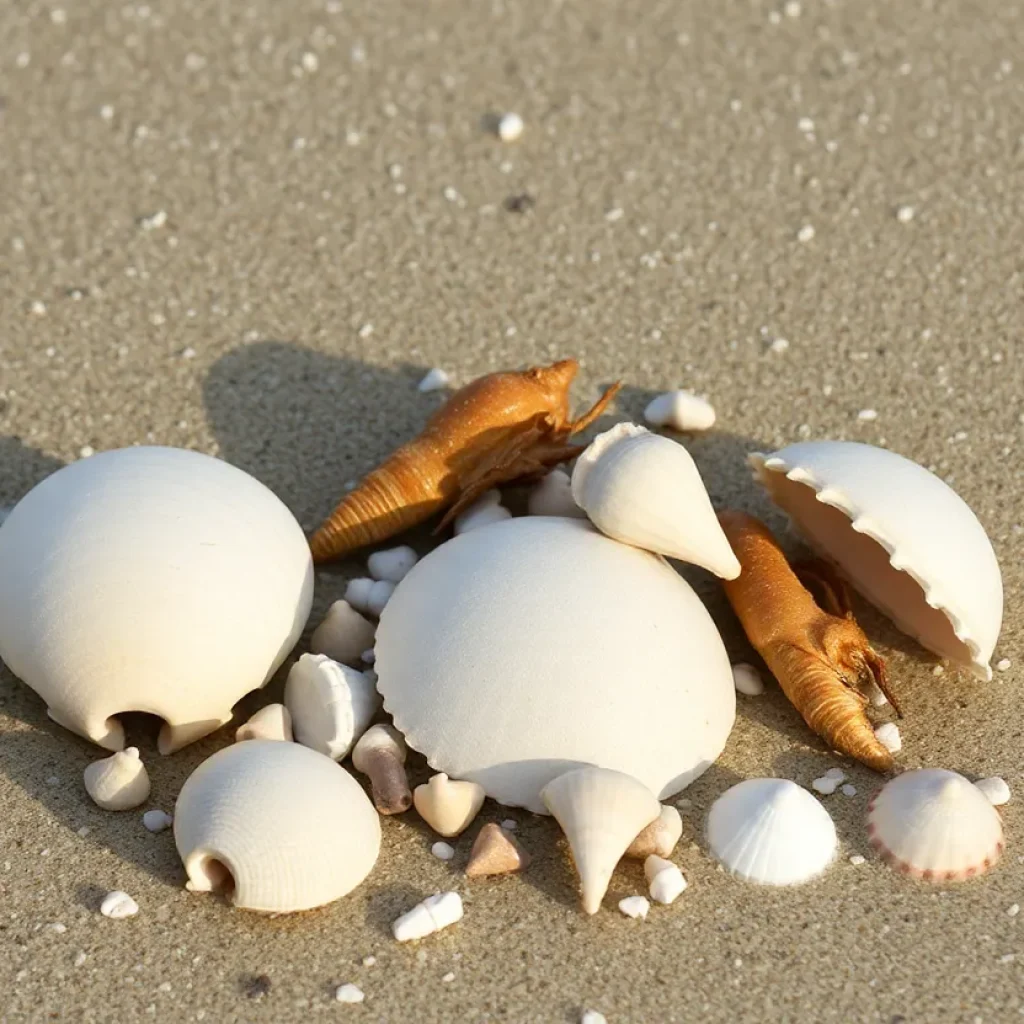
<point>287,827</point>
<point>680,410</point>
<point>553,497</point>
<point>771,831</point>
<point>665,881</point>
<point>510,655</point>
<point>118,782</point>
<point>644,489</point>
<point>934,824</point>
<point>905,539</point>
<point>150,579</point>
<point>392,564</point>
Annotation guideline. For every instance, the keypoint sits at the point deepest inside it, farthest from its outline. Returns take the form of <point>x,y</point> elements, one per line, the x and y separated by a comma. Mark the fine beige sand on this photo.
<point>251,227</point>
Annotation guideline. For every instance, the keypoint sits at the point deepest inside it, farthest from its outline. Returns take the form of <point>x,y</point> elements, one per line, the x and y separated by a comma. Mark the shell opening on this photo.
<point>208,873</point>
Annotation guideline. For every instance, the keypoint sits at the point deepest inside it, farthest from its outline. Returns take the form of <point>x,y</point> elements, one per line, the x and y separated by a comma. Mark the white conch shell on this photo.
<point>553,497</point>
<point>771,831</point>
<point>343,635</point>
<point>904,538</point>
<point>934,824</point>
<point>274,722</point>
<point>331,705</point>
<point>448,805</point>
<point>128,582</point>
<point>601,812</point>
<point>276,826</point>
<point>392,564</point>
<point>644,489</point>
<point>119,782</point>
<point>660,837</point>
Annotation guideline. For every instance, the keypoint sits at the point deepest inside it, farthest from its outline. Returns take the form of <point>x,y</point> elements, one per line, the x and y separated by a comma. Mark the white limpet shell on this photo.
<point>644,489</point>
<point>996,791</point>
<point>274,722</point>
<point>665,881</point>
<point>600,812</point>
<point>904,538</point>
<point>553,497</point>
<point>434,913</point>
<point>119,782</point>
<point>276,826</point>
<point>392,564</point>
<point>771,831</point>
<point>128,582</point>
<point>331,704</point>
<point>660,837</point>
<point>680,410</point>
<point>509,656</point>
<point>344,634</point>
<point>933,824</point>
<point>448,805</point>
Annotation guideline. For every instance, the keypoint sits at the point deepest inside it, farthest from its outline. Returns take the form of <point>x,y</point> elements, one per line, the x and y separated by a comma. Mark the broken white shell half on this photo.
<point>331,705</point>
<point>553,497</point>
<point>933,824</point>
<point>275,826</point>
<point>448,805</point>
<point>119,782</point>
<point>128,583</point>
<point>905,539</point>
<point>644,489</point>
<point>680,410</point>
<point>600,812</point>
<point>344,634</point>
<point>771,831</point>
<point>270,723</point>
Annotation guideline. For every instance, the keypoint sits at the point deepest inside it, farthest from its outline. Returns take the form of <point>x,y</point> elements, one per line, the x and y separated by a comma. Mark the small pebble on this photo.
<point>779,345</point>
<point>836,773</point>
<point>593,1017</point>
<point>157,821</point>
<point>369,961</point>
<point>849,790</point>
<point>905,214</point>
<point>510,127</point>
<point>57,928</point>
<point>1008,958</point>
<point>856,860</point>
<point>349,994</point>
<point>86,451</point>
<point>806,233</point>
<point>310,64</point>
<point>38,308</point>
<point>450,976</point>
<point>368,656</point>
<point>366,330</point>
<point>614,214</point>
<point>80,957</point>
<point>889,736</point>
<point>510,824</point>
<point>867,415</point>
<point>434,380</point>
<point>442,851</point>
<point>1013,910</point>
<point>747,680</point>
<point>117,905</point>
<point>825,786</point>
<point>996,789</point>
<point>156,220</point>
<point>1003,665</point>
<point>635,907</point>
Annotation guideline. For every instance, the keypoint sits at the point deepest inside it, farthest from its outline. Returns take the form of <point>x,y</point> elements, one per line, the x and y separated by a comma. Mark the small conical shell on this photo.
<point>934,824</point>
<point>495,852</point>
<point>119,782</point>
<point>601,812</point>
<point>343,635</point>
<point>771,831</point>
<point>645,490</point>
<point>660,837</point>
<point>447,805</point>
<point>270,723</point>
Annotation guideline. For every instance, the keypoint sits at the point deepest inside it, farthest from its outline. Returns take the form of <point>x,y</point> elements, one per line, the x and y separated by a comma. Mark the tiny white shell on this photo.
<point>906,540</point>
<point>664,879</point>
<point>680,410</point>
<point>644,489</point>
<point>392,564</point>
<point>119,782</point>
<point>995,789</point>
<point>277,826</point>
<point>343,635</point>
<point>443,851</point>
<point>553,497</point>
<point>771,831</point>
<point>157,820</point>
<point>118,905</point>
<point>349,993</point>
<point>635,907</point>
<point>481,513</point>
<point>448,805</point>
<point>434,913</point>
<point>331,705</point>
<point>747,680</point>
<point>510,127</point>
<point>274,722</point>
<point>889,736</point>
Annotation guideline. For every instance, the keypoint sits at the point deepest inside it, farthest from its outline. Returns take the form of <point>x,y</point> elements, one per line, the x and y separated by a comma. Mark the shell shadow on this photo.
<point>21,468</point>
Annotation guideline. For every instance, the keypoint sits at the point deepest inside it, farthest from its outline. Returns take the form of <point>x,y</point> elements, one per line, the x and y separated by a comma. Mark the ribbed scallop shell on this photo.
<point>934,824</point>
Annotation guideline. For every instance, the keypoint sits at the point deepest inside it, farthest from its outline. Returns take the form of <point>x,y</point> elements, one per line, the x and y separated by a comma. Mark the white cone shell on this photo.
<point>771,831</point>
<point>600,812</point>
<point>934,824</point>
<point>644,489</point>
<point>150,579</point>
<point>512,654</point>
<point>905,539</point>
<point>293,828</point>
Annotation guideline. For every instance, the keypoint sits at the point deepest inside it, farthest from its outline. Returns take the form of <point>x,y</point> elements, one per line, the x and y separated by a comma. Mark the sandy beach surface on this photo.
<point>251,227</point>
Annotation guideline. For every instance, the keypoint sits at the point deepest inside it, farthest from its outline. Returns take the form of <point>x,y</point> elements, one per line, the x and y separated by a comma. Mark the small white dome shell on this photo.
<point>150,579</point>
<point>516,652</point>
<point>905,539</point>
<point>276,825</point>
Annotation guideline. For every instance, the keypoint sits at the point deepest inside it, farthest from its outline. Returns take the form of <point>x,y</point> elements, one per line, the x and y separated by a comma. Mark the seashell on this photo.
<point>934,824</point>
<point>495,852</point>
<point>446,805</point>
<point>392,564</point>
<point>276,826</point>
<point>349,993</point>
<point>904,538</point>
<point>157,821</point>
<point>118,905</point>
<point>380,754</point>
<point>659,837</point>
<point>270,723</point>
<point>771,831</point>
<point>128,583</point>
<point>343,635</point>
<point>482,675</point>
<point>680,410</point>
<point>331,705</point>
<point>664,880</point>
<point>747,680</point>
<point>600,812</point>
<point>380,594</point>
<point>996,791</point>
<point>889,736</point>
<point>481,513</point>
<point>434,913</point>
<point>553,497</point>
<point>119,782</point>
<point>635,907</point>
<point>644,489</point>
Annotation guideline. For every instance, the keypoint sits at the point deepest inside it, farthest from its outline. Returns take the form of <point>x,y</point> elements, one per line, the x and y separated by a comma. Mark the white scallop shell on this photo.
<point>934,824</point>
<point>512,654</point>
<point>771,831</point>
<point>905,539</point>
<point>128,582</point>
<point>276,826</point>
<point>644,489</point>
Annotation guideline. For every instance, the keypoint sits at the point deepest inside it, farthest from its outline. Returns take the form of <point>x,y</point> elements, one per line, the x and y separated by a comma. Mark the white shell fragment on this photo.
<point>157,821</point>
<point>447,805</point>
<point>553,497</point>
<point>659,837</point>
<point>128,582</point>
<point>644,489</point>
<point>270,723</point>
<point>680,410</point>
<point>905,539</point>
<point>393,564</point>
<point>276,826</point>
<point>889,736</point>
<point>933,824</point>
<point>635,907</point>
<point>664,880</point>
<point>344,634</point>
<point>435,380</point>
<point>349,993</point>
<point>996,791</point>
<point>747,680</point>
<point>771,831</point>
<point>118,905</point>
<point>331,705</point>
<point>119,782</point>
<point>483,512</point>
<point>434,913</point>
<point>481,675</point>
<point>510,127</point>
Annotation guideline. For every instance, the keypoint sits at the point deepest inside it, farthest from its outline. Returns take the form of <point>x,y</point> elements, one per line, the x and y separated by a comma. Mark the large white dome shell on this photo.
<point>523,649</point>
<point>150,579</point>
